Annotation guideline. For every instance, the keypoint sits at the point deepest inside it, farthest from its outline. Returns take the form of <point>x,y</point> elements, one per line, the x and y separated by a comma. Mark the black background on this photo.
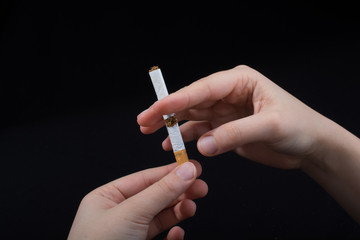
<point>74,76</point>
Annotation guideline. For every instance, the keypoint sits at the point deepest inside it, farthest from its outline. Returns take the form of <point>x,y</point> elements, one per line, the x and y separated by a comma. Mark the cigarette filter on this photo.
<point>171,122</point>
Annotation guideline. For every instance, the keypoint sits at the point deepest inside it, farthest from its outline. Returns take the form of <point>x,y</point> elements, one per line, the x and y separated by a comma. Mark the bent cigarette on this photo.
<point>171,122</point>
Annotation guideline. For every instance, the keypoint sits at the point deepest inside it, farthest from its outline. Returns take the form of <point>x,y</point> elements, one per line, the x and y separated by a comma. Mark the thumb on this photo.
<point>158,196</point>
<point>227,137</point>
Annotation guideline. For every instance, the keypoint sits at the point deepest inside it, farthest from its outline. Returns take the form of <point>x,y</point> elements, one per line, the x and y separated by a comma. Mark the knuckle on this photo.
<point>243,67</point>
<point>248,72</point>
<point>87,199</point>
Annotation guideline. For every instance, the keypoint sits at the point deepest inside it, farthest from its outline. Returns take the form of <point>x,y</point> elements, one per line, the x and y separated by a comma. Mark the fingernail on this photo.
<point>186,171</point>
<point>207,145</point>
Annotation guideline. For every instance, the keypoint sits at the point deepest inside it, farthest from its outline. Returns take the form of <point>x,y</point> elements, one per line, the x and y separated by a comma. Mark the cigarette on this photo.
<point>171,122</point>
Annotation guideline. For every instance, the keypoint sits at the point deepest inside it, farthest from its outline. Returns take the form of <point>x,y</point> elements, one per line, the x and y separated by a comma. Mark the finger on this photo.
<point>153,128</point>
<point>195,114</point>
<point>255,128</point>
<point>125,187</point>
<point>221,85</point>
<point>148,203</point>
<point>175,233</point>
<point>261,153</point>
<point>191,114</point>
<point>148,117</point>
<point>190,131</point>
<point>198,190</point>
<point>171,216</point>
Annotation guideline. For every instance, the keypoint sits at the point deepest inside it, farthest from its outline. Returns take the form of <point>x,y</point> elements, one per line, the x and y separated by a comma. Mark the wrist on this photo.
<point>335,165</point>
<point>332,145</point>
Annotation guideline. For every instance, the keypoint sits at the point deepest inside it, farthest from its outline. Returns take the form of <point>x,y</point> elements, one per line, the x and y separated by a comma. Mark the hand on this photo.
<point>240,110</point>
<point>141,205</point>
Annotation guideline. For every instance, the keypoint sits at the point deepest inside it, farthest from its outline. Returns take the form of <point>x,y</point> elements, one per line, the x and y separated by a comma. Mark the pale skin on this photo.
<point>243,111</point>
<point>141,205</point>
<point>235,110</point>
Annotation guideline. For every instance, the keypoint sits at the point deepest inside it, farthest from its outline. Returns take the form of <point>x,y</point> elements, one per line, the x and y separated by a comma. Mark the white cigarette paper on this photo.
<point>170,121</point>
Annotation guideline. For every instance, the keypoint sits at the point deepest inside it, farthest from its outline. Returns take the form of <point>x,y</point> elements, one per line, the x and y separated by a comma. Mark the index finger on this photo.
<point>209,89</point>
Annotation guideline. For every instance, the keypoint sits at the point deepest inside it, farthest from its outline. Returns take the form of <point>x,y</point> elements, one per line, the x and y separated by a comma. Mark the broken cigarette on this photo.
<point>171,122</point>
